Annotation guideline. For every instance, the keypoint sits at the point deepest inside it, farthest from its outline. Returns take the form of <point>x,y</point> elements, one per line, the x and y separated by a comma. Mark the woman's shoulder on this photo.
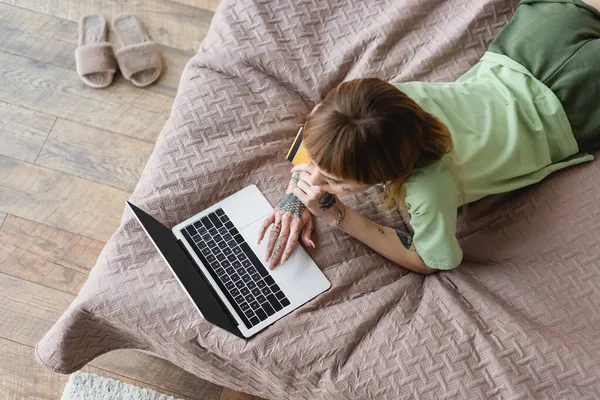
<point>436,176</point>
<point>432,187</point>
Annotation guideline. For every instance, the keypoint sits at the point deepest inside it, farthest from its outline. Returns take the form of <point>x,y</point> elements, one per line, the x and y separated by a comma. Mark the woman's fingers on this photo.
<point>300,167</point>
<point>307,234</point>
<point>275,231</point>
<point>308,168</point>
<point>281,241</point>
<point>305,187</point>
<point>308,178</point>
<point>292,240</point>
<point>301,195</point>
<point>278,251</point>
<point>310,190</point>
<point>268,222</point>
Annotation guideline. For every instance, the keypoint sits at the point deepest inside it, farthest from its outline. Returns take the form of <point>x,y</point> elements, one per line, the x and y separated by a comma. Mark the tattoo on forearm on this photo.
<point>327,201</point>
<point>381,230</point>
<point>406,239</point>
<point>291,204</point>
<point>345,189</point>
<point>339,216</point>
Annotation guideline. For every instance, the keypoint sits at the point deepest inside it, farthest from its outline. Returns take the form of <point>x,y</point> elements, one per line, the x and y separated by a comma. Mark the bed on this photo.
<point>518,319</point>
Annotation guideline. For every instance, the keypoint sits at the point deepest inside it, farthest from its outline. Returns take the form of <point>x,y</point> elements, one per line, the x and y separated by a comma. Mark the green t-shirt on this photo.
<point>508,131</point>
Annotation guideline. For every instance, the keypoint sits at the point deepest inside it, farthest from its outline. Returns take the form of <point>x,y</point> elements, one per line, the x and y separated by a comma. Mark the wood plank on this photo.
<point>21,377</point>
<point>22,328</point>
<point>211,5</point>
<point>28,310</point>
<point>60,200</point>
<point>70,250</point>
<point>53,40</point>
<point>22,131</point>
<point>95,154</point>
<point>168,23</point>
<point>20,263</point>
<point>230,394</point>
<point>45,255</point>
<point>58,91</point>
<point>30,299</point>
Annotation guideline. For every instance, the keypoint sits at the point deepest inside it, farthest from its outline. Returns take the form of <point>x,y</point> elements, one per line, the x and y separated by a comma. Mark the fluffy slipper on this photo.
<point>94,56</point>
<point>139,59</point>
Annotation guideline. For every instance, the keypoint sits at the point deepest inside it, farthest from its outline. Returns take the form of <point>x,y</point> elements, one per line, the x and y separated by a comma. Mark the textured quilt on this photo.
<point>518,319</point>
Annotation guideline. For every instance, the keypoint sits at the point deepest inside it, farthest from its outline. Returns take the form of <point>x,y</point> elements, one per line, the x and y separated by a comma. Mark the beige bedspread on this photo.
<point>519,319</point>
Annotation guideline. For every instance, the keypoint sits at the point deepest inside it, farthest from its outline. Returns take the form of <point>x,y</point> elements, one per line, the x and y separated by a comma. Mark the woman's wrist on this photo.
<point>293,182</point>
<point>337,215</point>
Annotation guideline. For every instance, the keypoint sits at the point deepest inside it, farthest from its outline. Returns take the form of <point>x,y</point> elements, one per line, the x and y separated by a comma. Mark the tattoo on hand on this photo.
<point>296,178</point>
<point>291,204</point>
<point>275,230</point>
<point>345,189</point>
<point>406,239</point>
<point>327,201</point>
<point>279,244</point>
<point>381,230</point>
<point>266,224</point>
<point>279,248</point>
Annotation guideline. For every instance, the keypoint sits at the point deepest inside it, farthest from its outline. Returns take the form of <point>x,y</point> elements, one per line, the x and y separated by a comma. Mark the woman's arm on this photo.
<point>393,245</point>
<point>386,241</point>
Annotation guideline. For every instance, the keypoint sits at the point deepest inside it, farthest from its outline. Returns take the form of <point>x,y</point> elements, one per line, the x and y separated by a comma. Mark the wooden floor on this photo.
<point>69,157</point>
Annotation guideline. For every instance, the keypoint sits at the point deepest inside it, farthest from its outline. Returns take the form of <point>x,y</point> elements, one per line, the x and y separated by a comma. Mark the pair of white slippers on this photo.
<point>138,58</point>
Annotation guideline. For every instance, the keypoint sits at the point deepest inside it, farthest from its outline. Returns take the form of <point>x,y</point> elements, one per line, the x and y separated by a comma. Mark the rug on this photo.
<point>84,386</point>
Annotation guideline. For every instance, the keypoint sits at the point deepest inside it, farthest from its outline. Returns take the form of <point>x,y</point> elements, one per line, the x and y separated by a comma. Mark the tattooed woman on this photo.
<point>528,108</point>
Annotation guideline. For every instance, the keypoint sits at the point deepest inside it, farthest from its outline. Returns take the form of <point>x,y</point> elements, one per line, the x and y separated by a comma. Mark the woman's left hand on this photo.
<point>320,203</point>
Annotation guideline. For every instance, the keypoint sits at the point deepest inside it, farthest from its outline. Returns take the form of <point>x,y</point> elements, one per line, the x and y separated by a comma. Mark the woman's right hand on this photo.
<point>291,219</point>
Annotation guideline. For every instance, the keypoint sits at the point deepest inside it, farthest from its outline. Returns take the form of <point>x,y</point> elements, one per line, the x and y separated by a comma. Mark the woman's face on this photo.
<point>333,184</point>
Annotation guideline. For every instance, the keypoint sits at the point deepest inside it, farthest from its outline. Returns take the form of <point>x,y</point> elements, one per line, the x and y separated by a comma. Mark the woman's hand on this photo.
<point>321,203</point>
<point>290,218</point>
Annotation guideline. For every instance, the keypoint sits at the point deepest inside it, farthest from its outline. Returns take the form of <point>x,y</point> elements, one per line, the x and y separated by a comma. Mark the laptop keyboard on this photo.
<point>239,273</point>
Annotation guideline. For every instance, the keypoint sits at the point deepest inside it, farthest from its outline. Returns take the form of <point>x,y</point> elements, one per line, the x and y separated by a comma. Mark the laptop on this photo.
<point>217,262</point>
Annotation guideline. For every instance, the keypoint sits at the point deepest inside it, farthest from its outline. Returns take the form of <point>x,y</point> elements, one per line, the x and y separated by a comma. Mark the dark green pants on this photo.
<point>558,41</point>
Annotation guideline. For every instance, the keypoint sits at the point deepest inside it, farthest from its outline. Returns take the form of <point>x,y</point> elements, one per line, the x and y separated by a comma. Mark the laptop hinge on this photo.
<point>208,284</point>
